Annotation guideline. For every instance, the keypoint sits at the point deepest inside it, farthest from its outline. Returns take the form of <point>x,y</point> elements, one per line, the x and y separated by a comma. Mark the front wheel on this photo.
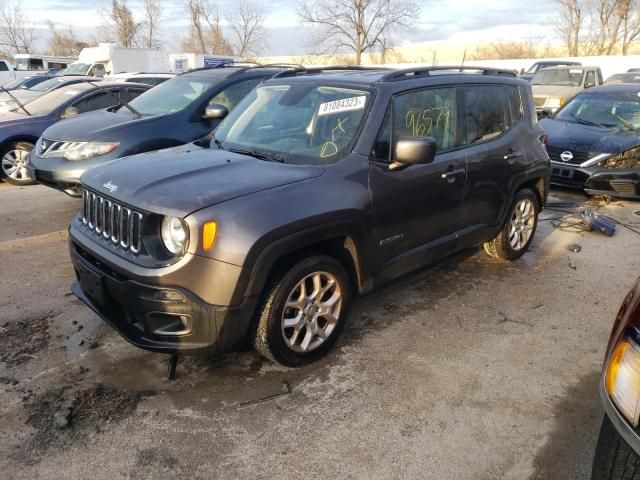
<point>614,459</point>
<point>518,231</point>
<point>13,163</point>
<point>303,311</point>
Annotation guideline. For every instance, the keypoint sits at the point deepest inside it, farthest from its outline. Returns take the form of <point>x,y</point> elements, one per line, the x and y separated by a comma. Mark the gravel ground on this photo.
<point>467,370</point>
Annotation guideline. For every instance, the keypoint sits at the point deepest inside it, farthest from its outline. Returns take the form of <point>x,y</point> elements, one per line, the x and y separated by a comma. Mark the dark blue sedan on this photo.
<point>20,130</point>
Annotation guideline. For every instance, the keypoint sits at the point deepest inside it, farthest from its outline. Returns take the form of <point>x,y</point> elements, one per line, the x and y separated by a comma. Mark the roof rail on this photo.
<point>296,71</point>
<point>245,66</point>
<point>407,73</point>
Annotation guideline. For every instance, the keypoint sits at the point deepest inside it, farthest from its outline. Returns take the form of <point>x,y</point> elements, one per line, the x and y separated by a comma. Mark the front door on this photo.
<point>417,210</point>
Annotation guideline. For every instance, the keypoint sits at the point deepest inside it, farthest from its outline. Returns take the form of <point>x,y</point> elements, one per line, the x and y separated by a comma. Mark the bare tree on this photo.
<point>119,24</point>
<point>630,28</point>
<point>15,35</point>
<point>569,23</point>
<point>64,43</point>
<point>152,14</point>
<point>506,50</point>
<point>206,34</point>
<point>356,25</point>
<point>248,34</point>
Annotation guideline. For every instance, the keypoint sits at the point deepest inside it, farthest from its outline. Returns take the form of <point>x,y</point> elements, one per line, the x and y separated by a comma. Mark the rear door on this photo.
<point>418,208</point>
<point>494,133</point>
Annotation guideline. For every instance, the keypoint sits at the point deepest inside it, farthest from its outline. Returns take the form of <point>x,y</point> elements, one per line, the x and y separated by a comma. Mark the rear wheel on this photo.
<point>13,163</point>
<point>518,231</point>
<point>614,459</point>
<point>303,311</point>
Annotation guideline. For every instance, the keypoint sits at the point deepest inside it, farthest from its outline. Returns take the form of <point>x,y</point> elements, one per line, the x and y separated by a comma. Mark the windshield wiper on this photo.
<point>586,122</point>
<point>272,157</point>
<point>626,124</point>
<point>117,97</point>
<point>15,100</point>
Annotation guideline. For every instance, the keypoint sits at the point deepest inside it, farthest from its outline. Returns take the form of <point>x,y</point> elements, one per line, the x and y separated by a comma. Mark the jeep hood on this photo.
<point>555,91</point>
<point>585,138</point>
<point>97,125</point>
<point>181,180</point>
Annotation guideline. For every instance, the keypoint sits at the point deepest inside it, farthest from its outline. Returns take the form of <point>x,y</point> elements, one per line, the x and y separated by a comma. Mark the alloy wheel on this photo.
<point>523,222</point>
<point>14,165</point>
<point>311,312</point>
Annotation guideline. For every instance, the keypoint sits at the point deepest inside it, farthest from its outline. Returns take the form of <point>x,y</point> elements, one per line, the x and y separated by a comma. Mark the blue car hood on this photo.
<point>585,138</point>
<point>97,125</point>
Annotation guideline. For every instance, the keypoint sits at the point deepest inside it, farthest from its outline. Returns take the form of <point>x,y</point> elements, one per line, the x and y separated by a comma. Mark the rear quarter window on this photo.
<point>490,110</point>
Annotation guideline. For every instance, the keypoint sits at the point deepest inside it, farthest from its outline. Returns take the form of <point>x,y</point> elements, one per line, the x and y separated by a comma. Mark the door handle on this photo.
<point>452,173</point>
<point>513,155</point>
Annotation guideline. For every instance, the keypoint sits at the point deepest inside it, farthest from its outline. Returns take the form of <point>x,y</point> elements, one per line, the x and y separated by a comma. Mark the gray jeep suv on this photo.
<point>322,184</point>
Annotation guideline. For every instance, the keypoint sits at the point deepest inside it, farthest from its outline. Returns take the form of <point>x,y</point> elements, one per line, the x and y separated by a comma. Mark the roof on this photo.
<point>615,87</point>
<point>228,69</point>
<point>369,75</point>
<point>570,67</point>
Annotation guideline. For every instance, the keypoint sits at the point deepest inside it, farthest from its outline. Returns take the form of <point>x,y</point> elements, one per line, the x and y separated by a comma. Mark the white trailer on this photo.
<point>27,62</point>
<point>109,58</point>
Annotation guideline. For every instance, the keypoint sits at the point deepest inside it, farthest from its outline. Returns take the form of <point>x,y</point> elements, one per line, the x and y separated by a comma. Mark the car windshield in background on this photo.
<point>624,78</point>
<point>304,123</point>
<point>47,85</point>
<point>14,83</point>
<point>50,101</point>
<point>558,77</point>
<point>172,95</point>
<point>75,69</point>
<point>609,110</point>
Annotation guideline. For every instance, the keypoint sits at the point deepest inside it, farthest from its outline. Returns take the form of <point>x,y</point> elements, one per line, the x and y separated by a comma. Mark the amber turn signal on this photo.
<point>209,230</point>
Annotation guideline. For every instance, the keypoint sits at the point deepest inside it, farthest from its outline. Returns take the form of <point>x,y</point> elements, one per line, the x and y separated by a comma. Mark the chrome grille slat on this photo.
<point>112,221</point>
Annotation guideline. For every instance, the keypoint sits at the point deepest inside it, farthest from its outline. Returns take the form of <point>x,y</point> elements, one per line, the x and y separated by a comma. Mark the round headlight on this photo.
<point>174,234</point>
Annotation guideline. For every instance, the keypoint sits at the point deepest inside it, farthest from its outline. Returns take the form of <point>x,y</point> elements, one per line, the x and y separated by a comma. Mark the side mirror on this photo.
<point>546,112</point>
<point>589,84</point>
<point>70,112</point>
<point>413,150</point>
<point>215,111</point>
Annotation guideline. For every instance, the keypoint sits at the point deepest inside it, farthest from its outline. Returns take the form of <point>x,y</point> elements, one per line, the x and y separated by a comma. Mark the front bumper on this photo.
<point>623,183</point>
<point>626,431</point>
<point>158,318</point>
<point>62,174</point>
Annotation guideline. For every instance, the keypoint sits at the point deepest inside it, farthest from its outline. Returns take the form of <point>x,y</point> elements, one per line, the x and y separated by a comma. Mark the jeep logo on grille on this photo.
<point>566,156</point>
<point>110,186</point>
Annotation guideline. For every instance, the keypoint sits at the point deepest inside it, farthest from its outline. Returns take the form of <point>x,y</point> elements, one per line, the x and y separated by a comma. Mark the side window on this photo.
<point>382,146</point>
<point>515,104</point>
<point>3,67</point>
<point>426,113</point>
<point>231,96</point>
<point>486,112</point>
<point>600,81</point>
<point>95,102</point>
<point>590,79</point>
<point>132,93</point>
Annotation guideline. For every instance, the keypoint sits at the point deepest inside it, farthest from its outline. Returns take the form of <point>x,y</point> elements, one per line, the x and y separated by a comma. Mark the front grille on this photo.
<point>113,221</point>
<point>625,188</point>
<point>578,157</point>
<point>539,101</point>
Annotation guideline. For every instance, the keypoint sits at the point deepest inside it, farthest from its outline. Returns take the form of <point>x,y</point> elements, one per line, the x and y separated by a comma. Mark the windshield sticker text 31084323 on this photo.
<point>343,105</point>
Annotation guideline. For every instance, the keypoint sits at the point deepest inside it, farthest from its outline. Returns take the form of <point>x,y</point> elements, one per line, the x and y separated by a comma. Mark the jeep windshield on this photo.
<point>173,95</point>
<point>304,123</point>
<point>564,77</point>
<point>609,110</point>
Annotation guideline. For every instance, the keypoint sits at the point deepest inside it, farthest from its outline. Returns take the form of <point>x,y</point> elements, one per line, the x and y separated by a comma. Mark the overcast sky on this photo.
<point>462,21</point>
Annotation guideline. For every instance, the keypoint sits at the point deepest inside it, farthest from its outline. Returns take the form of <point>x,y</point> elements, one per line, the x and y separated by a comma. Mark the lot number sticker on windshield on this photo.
<point>343,105</point>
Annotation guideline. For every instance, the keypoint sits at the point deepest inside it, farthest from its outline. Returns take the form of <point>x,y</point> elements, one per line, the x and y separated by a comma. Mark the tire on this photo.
<point>511,243</point>
<point>302,342</point>
<point>614,458</point>
<point>12,163</point>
